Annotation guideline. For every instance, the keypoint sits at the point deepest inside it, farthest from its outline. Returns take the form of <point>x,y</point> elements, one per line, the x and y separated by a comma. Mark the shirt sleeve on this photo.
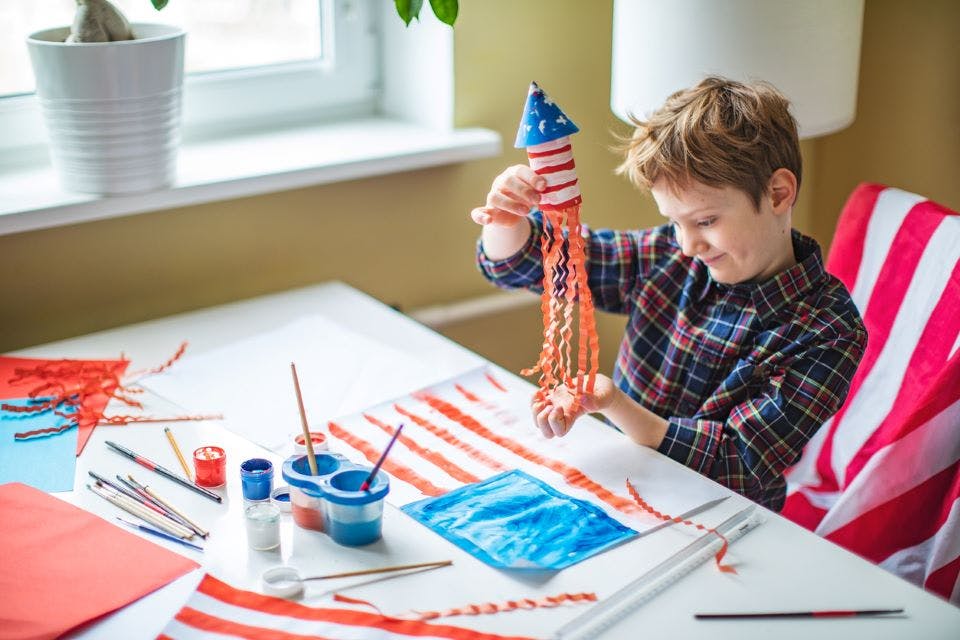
<point>762,436</point>
<point>613,260</point>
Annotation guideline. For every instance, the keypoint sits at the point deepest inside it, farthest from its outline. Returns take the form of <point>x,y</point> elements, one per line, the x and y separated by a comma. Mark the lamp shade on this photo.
<point>809,50</point>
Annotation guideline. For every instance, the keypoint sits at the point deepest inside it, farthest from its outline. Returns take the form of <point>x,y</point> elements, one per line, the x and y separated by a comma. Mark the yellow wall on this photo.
<point>71,280</point>
<point>907,130</point>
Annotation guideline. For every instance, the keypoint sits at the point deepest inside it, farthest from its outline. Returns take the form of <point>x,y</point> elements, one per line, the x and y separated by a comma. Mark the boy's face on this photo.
<point>720,227</point>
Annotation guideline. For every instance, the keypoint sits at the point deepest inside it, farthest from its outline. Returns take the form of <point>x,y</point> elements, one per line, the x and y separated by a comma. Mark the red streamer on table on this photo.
<point>86,379</point>
<point>662,516</point>
<point>485,608</point>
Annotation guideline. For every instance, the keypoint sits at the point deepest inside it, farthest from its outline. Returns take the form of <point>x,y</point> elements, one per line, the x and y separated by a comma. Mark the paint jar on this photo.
<point>210,466</point>
<point>306,494</point>
<point>318,438</point>
<point>256,478</point>
<point>281,497</point>
<point>263,526</point>
<point>355,517</point>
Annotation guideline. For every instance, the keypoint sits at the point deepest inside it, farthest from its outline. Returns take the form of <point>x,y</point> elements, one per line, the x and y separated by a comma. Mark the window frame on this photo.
<point>344,80</point>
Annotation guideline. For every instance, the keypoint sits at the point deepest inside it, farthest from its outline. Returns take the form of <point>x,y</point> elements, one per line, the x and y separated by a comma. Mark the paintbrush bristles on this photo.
<point>308,441</point>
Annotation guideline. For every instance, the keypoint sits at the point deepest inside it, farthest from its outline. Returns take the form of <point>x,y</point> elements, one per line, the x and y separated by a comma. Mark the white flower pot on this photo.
<point>112,109</point>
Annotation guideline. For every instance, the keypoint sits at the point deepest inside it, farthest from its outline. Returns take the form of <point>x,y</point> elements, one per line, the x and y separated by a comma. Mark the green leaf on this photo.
<point>408,9</point>
<point>445,10</point>
<point>159,4</point>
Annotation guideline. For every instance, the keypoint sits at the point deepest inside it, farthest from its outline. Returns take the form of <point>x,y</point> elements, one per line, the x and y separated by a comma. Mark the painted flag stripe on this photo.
<point>400,471</point>
<point>550,152</point>
<point>571,475</point>
<point>451,439</point>
<point>434,457</point>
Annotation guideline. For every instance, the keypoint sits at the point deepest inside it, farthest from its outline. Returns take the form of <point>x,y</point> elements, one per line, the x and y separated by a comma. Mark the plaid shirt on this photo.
<point>744,374</point>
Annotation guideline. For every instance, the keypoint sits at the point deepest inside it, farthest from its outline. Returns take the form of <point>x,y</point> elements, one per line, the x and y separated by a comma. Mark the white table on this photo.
<point>781,566</point>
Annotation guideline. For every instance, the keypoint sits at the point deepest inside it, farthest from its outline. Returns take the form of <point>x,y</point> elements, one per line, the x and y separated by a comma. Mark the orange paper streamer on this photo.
<point>662,516</point>
<point>565,289</point>
<point>548,602</point>
<point>484,608</point>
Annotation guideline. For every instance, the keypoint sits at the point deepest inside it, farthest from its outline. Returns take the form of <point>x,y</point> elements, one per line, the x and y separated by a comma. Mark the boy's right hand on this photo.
<point>513,194</point>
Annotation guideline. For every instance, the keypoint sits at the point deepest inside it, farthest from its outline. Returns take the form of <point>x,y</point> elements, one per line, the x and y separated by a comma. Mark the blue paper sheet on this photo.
<point>46,463</point>
<point>515,521</point>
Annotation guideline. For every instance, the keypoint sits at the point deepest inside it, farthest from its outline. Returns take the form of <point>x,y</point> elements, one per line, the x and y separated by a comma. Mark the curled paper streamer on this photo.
<point>544,132</point>
<point>662,516</point>
<point>485,608</point>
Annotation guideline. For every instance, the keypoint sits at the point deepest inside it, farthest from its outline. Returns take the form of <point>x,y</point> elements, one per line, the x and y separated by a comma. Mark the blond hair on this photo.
<point>720,133</point>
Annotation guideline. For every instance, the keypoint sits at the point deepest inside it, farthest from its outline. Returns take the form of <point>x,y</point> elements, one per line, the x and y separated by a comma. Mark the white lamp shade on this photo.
<point>808,49</point>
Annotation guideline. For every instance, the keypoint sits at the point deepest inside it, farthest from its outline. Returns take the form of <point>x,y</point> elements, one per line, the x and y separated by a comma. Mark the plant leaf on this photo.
<point>445,10</point>
<point>408,9</point>
<point>159,4</point>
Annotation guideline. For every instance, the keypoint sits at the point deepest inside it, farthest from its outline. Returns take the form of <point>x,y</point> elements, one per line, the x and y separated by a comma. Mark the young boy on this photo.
<point>738,345</point>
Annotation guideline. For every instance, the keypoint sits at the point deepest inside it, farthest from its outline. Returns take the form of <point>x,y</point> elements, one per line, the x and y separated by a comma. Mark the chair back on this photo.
<point>882,477</point>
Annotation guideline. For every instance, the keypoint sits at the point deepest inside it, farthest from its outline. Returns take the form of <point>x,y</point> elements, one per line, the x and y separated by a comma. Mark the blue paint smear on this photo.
<point>515,521</point>
<point>47,463</point>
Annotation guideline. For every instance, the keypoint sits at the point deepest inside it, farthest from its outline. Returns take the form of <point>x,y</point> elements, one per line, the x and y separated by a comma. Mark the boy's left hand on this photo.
<point>554,415</point>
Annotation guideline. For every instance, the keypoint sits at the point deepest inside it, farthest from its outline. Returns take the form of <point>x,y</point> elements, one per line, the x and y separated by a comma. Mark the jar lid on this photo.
<point>281,497</point>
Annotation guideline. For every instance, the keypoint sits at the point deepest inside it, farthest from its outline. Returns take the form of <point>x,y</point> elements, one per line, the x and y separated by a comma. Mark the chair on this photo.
<point>882,477</point>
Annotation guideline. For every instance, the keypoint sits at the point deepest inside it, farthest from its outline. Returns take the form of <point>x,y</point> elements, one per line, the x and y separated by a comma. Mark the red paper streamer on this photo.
<point>485,608</point>
<point>662,516</point>
<point>565,289</point>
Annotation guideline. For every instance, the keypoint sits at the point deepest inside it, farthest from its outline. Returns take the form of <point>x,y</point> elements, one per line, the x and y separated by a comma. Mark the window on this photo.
<point>273,62</point>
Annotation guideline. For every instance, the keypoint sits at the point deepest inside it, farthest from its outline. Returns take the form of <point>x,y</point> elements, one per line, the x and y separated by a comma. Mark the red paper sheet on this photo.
<point>93,405</point>
<point>63,566</point>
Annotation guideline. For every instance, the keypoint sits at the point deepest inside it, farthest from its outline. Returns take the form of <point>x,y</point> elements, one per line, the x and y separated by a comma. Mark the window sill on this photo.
<point>31,198</point>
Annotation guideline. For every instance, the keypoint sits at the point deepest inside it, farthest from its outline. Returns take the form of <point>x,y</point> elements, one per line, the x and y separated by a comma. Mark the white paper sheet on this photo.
<point>606,457</point>
<point>250,383</point>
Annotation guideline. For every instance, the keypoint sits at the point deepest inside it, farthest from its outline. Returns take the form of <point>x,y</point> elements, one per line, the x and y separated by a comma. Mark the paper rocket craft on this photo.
<point>545,132</point>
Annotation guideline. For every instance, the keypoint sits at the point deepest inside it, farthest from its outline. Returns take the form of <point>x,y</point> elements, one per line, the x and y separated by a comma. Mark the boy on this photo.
<point>738,345</point>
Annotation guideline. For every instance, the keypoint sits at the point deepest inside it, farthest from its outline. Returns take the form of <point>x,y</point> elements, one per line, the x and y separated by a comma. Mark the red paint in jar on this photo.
<point>210,466</point>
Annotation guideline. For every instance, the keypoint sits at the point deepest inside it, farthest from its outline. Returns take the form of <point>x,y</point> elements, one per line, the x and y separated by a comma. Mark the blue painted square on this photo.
<point>515,521</point>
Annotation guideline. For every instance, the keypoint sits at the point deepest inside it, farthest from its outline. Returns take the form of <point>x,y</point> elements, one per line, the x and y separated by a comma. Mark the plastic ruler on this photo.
<point>610,611</point>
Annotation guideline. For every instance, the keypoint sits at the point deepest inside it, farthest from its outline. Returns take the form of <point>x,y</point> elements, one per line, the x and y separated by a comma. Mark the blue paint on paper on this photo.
<point>515,521</point>
<point>47,463</point>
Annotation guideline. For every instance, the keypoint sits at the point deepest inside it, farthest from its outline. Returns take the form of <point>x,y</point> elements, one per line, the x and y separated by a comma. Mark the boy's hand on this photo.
<point>513,193</point>
<point>554,416</point>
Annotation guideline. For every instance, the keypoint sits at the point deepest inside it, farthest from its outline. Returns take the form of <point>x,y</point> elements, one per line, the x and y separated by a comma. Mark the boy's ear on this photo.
<point>783,190</point>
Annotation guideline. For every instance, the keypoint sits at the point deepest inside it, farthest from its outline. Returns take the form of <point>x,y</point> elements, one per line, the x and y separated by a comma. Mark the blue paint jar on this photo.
<point>355,517</point>
<point>256,478</point>
<point>306,493</point>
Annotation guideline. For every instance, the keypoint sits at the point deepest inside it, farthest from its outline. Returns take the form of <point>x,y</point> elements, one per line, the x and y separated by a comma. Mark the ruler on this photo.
<point>610,611</point>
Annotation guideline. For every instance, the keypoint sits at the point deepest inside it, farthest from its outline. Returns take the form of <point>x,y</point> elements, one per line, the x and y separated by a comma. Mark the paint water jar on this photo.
<point>307,502</point>
<point>355,517</point>
<point>256,478</point>
<point>263,526</point>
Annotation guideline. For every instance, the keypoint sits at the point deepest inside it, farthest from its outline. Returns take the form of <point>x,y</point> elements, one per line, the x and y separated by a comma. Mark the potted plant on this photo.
<point>110,92</point>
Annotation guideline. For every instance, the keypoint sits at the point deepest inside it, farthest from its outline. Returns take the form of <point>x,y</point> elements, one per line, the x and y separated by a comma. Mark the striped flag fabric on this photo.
<point>217,611</point>
<point>882,477</point>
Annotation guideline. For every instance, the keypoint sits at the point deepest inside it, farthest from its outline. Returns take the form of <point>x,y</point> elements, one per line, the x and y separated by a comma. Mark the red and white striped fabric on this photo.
<point>217,611</point>
<point>882,477</point>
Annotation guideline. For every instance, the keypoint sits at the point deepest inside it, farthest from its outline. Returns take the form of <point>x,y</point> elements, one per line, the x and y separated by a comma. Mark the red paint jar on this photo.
<point>210,466</point>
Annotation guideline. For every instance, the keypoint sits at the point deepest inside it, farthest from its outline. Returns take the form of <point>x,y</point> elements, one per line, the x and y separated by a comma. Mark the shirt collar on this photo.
<point>779,291</point>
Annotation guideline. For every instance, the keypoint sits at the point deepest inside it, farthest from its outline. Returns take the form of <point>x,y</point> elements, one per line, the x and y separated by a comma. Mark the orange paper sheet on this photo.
<point>63,566</point>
